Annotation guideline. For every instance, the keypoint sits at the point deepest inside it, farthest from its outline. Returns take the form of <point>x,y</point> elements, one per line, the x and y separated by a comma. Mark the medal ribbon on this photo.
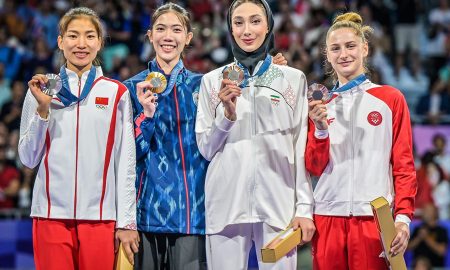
<point>66,97</point>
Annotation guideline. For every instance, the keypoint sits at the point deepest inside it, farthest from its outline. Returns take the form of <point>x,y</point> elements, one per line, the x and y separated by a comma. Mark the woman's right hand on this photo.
<point>228,95</point>
<point>42,99</point>
<point>147,98</point>
<point>318,114</point>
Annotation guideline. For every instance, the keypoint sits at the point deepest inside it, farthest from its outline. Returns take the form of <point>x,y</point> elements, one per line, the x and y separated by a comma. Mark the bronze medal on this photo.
<point>234,73</point>
<point>318,92</point>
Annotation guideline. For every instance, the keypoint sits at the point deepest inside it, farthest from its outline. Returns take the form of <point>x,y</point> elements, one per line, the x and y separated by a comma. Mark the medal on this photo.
<point>318,92</point>
<point>234,73</point>
<point>53,85</point>
<point>158,81</point>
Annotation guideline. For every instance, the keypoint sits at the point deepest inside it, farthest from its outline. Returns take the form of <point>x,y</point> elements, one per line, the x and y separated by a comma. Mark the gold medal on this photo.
<point>158,81</point>
<point>234,73</point>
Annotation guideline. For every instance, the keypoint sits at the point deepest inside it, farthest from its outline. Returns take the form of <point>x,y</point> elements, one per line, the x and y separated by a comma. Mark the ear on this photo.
<point>189,38</point>
<point>365,49</point>
<point>150,36</point>
<point>60,46</point>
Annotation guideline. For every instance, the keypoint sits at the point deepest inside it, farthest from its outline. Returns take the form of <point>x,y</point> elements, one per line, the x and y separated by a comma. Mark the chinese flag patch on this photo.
<point>101,101</point>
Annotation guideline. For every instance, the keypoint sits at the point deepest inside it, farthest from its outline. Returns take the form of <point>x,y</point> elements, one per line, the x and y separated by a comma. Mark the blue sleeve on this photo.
<point>143,127</point>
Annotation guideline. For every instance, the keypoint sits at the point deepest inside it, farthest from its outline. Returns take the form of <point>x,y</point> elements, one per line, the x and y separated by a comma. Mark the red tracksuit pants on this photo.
<point>73,244</point>
<point>342,243</point>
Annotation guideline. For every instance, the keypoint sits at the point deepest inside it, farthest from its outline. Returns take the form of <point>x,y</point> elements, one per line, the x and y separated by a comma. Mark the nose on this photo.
<point>168,35</point>
<point>344,53</point>
<point>247,29</point>
<point>82,42</point>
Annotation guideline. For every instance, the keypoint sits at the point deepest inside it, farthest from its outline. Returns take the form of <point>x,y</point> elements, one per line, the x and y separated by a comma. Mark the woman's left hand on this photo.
<point>279,59</point>
<point>400,242</point>
<point>130,240</point>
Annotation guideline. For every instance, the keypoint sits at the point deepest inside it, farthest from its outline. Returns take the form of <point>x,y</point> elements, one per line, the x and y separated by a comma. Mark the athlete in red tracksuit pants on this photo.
<point>83,141</point>
<point>359,143</point>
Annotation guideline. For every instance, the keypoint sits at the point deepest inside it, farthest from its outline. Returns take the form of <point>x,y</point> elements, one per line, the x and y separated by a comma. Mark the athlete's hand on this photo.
<point>318,114</point>
<point>130,241</point>
<point>228,94</point>
<point>400,242</point>
<point>147,98</point>
<point>306,225</point>
<point>42,99</point>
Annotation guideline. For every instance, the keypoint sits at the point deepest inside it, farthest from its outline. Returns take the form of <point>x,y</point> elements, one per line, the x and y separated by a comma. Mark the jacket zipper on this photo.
<point>352,152</point>
<point>76,152</point>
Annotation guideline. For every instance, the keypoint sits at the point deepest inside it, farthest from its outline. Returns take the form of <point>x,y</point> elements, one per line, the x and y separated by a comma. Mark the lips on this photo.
<point>346,64</point>
<point>248,41</point>
<point>167,48</point>
<point>81,54</point>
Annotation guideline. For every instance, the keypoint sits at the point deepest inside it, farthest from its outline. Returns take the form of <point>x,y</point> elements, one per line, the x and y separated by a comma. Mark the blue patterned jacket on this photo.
<point>170,169</point>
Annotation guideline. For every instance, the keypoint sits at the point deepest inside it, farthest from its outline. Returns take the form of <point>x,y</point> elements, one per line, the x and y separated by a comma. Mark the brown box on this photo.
<point>122,262</point>
<point>281,245</point>
<point>385,222</point>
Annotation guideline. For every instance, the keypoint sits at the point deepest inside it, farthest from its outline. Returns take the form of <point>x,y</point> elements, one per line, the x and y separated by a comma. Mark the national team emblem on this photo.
<point>374,118</point>
<point>195,98</point>
<point>101,102</point>
<point>275,99</point>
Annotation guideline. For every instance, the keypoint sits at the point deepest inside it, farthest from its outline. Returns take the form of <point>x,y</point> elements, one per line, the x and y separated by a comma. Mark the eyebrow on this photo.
<point>76,32</point>
<point>166,25</point>
<point>251,16</point>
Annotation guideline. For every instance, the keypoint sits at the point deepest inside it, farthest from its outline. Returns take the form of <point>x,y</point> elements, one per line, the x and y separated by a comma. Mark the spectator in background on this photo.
<point>435,104</point>
<point>45,23</point>
<point>42,56</point>
<point>422,263</point>
<point>442,155</point>
<point>407,34</point>
<point>9,56</point>
<point>430,240</point>
<point>5,86</point>
<point>10,112</point>
<point>9,179</point>
<point>424,194</point>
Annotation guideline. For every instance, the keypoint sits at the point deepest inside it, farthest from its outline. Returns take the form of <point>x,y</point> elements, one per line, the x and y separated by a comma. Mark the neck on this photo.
<point>167,67</point>
<point>79,70</point>
<point>343,79</point>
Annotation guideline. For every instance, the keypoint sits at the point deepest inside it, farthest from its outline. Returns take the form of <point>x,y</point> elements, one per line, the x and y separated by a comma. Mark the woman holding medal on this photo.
<point>170,169</point>
<point>252,126</point>
<point>359,143</point>
<point>82,138</point>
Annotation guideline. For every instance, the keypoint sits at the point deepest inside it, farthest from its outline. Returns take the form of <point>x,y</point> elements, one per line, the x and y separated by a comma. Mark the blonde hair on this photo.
<point>82,12</point>
<point>353,21</point>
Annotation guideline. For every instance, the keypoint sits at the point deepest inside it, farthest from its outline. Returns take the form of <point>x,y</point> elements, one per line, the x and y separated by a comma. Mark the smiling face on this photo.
<point>346,52</point>
<point>249,26</point>
<point>169,37</point>
<point>80,44</point>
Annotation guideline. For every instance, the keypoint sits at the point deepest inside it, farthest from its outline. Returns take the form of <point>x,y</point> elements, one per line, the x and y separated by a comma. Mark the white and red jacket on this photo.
<point>367,154</point>
<point>86,153</point>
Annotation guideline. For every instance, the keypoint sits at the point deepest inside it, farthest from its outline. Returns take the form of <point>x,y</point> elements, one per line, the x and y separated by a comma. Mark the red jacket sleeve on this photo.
<point>402,160</point>
<point>317,152</point>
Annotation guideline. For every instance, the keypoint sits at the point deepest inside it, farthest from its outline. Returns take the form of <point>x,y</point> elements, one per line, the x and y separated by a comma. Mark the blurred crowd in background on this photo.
<point>410,50</point>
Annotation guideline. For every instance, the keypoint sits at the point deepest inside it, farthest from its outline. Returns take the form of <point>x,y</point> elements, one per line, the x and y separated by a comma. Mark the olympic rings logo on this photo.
<point>101,107</point>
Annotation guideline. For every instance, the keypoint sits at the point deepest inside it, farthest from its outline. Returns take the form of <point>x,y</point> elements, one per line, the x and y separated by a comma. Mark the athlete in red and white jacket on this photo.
<point>82,138</point>
<point>85,152</point>
<point>360,145</point>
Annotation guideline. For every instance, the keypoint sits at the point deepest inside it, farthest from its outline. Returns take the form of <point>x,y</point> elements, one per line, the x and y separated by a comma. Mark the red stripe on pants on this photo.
<point>73,244</point>
<point>342,243</point>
